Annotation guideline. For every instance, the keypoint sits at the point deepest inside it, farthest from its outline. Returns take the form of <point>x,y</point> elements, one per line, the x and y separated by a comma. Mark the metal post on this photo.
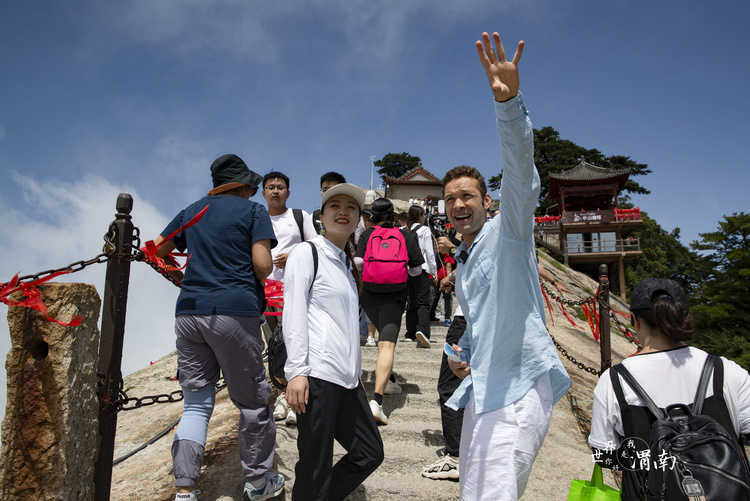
<point>604,342</point>
<point>110,346</point>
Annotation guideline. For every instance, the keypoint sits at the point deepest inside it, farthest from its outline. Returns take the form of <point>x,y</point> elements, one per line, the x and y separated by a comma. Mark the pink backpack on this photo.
<point>385,261</point>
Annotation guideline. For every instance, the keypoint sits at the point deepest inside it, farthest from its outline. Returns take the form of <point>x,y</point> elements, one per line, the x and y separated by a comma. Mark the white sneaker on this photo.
<point>272,488</point>
<point>190,496</point>
<point>377,413</point>
<point>291,418</point>
<point>422,339</point>
<point>445,468</point>
<point>370,341</point>
<point>281,409</point>
<point>392,388</point>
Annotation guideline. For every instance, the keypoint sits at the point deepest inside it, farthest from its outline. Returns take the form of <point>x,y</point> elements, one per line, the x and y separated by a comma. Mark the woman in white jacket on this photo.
<point>321,333</point>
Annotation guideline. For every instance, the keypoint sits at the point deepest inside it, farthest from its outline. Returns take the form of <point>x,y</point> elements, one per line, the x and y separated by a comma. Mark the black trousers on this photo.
<point>335,413</point>
<point>447,384</point>
<point>447,303</point>
<point>418,305</point>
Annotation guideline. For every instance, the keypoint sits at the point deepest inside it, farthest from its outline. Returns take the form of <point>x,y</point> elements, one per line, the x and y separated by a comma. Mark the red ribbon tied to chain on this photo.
<point>33,297</point>
<point>150,248</point>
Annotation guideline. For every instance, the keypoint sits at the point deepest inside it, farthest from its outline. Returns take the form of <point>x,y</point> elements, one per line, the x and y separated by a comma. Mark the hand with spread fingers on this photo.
<point>502,74</point>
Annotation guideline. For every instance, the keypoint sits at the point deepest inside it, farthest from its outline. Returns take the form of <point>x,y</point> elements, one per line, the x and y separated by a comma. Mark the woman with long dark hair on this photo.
<point>323,367</point>
<point>669,371</point>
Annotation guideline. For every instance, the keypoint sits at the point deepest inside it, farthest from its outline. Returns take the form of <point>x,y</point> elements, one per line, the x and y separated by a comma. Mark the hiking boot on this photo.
<point>377,413</point>
<point>272,488</point>
<point>445,468</point>
<point>281,409</point>
<point>190,496</point>
<point>291,418</point>
<point>371,342</point>
<point>393,388</point>
<point>422,340</point>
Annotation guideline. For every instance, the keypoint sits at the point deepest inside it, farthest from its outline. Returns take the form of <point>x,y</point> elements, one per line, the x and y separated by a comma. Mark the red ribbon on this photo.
<point>274,292</point>
<point>150,248</point>
<point>33,297</point>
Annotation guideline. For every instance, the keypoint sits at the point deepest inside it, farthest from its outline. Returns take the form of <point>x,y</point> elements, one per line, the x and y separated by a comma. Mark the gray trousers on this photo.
<point>232,345</point>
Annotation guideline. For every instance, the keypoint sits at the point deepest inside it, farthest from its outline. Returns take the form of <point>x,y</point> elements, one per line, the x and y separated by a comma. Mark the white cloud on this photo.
<point>64,222</point>
<point>264,31</point>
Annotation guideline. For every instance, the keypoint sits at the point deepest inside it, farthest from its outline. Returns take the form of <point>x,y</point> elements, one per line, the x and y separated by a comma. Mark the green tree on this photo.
<point>395,165</point>
<point>553,154</point>
<point>663,256</point>
<point>721,313</point>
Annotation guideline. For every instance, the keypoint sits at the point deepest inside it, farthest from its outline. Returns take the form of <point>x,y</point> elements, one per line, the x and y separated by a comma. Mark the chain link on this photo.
<point>123,402</point>
<point>107,254</point>
<point>563,300</point>
<point>575,362</point>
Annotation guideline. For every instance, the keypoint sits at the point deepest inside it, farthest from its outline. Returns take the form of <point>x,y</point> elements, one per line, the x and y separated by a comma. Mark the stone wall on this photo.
<point>50,429</point>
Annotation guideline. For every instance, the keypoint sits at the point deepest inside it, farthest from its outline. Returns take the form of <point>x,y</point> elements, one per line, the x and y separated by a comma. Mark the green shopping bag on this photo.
<point>594,490</point>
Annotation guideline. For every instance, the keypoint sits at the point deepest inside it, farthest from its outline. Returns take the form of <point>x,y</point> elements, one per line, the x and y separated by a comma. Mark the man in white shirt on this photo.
<point>291,226</point>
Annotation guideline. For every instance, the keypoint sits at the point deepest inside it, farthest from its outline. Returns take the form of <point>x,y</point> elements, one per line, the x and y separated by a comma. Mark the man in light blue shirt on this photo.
<point>511,375</point>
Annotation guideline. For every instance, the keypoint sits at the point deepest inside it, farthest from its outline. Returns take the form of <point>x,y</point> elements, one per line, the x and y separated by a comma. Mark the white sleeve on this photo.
<point>297,280</point>
<point>307,226</point>
<point>425,238</point>
<point>737,395</point>
<point>606,428</point>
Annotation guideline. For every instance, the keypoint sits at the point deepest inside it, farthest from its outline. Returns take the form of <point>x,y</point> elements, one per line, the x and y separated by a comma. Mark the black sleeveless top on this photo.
<point>637,420</point>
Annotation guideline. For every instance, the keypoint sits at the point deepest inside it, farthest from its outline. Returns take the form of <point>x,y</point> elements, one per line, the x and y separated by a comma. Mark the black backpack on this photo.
<point>692,456</point>
<point>276,351</point>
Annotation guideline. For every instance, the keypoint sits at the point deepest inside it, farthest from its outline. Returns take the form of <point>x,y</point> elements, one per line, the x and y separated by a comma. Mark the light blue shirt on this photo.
<point>506,340</point>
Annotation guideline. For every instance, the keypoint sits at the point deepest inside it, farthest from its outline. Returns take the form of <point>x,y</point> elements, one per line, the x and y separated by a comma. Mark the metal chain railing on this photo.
<point>573,360</point>
<point>126,403</point>
<point>563,300</point>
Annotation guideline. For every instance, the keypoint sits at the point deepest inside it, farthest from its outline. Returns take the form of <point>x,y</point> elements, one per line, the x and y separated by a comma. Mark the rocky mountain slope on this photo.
<point>411,438</point>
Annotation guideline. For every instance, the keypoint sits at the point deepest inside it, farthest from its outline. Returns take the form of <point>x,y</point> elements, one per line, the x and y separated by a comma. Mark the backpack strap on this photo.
<point>315,263</point>
<point>638,389</point>
<point>700,393</point>
<point>300,222</point>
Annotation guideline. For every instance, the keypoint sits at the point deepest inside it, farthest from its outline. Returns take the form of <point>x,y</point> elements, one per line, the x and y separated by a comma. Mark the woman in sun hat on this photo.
<point>323,367</point>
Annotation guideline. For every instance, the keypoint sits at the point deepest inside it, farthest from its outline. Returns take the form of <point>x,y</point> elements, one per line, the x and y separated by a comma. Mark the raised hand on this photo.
<point>502,74</point>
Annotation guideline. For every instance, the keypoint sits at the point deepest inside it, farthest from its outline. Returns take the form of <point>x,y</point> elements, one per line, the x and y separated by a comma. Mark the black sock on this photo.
<point>378,398</point>
<point>392,378</point>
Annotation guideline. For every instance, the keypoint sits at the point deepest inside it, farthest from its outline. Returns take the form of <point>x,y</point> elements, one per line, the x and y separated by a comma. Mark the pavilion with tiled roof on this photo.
<point>585,226</point>
<point>417,184</point>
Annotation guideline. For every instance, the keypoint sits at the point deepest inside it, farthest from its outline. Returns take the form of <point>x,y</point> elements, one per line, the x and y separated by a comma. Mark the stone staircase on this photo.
<point>411,438</point>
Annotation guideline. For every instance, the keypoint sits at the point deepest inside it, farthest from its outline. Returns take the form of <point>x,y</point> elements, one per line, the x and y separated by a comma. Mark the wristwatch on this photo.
<point>452,252</point>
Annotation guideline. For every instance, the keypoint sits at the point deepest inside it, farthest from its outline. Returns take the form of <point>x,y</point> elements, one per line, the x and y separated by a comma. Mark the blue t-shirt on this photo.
<point>219,277</point>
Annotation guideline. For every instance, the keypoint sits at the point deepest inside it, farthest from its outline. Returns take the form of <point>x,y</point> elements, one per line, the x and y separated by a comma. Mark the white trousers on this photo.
<point>499,447</point>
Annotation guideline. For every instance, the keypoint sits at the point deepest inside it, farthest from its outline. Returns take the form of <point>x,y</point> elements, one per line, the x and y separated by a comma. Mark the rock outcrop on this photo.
<point>49,445</point>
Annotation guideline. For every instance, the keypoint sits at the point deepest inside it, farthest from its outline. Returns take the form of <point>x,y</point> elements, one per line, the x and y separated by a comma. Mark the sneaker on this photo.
<point>393,388</point>
<point>445,468</point>
<point>190,496</point>
<point>281,409</point>
<point>291,418</point>
<point>371,342</point>
<point>447,323</point>
<point>377,413</point>
<point>272,488</point>
<point>422,339</point>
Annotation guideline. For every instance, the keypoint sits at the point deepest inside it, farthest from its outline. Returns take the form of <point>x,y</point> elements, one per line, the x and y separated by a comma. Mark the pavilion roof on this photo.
<point>417,176</point>
<point>586,174</point>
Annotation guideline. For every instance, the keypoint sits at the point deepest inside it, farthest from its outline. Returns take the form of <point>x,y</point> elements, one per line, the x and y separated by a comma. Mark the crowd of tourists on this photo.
<point>351,272</point>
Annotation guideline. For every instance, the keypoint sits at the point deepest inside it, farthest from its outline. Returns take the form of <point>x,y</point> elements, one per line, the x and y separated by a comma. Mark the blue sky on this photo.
<point>100,97</point>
